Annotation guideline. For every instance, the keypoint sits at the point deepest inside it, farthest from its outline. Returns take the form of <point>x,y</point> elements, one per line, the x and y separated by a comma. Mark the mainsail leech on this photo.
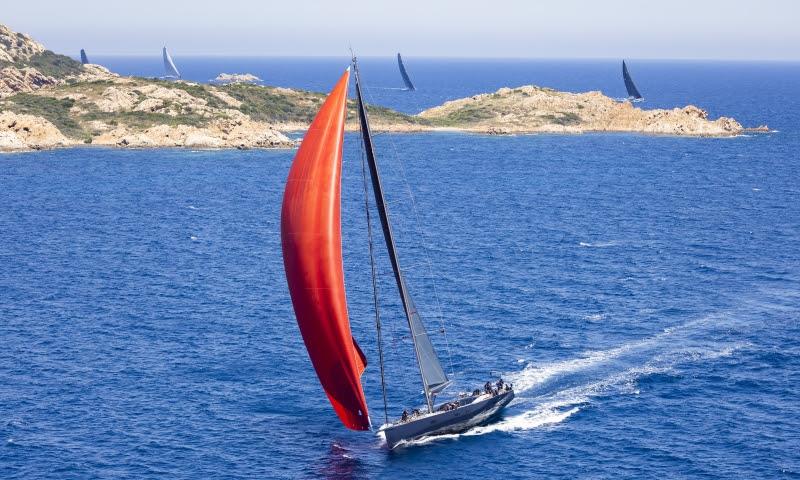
<point>312,256</point>
<point>404,73</point>
<point>169,66</point>
<point>633,92</point>
<point>434,378</point>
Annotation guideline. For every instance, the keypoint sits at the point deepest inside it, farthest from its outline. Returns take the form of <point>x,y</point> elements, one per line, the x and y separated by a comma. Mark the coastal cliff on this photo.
<point>49,100</point>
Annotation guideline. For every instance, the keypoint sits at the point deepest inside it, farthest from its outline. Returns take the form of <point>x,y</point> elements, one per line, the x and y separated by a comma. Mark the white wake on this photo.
<point>549,394</point>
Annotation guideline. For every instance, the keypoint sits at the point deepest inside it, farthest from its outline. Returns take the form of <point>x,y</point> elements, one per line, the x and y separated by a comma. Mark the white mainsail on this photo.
<point>169,65</point>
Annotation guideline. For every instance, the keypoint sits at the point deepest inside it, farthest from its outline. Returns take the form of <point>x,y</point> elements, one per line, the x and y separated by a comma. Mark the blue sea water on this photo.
<point>641,292</point>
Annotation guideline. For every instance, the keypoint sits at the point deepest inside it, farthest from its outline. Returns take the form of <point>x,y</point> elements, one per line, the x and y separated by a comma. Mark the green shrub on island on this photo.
<point>144,120</point>
<point>466,116</point>
<point>195,90</point>
<point>54,110</point>
<point>565,119</point>
<point>271,105</point>
<point>54,65</point>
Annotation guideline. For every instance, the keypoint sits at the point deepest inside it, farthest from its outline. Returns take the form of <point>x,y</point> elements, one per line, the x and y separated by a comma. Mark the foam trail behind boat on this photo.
<point>552,393</point>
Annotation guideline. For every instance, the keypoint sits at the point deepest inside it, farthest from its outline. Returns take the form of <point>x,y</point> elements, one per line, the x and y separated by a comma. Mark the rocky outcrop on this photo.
<point>532,109</point>
<point>92,73</point>
<point>16,47</point>
<point>229,101</point>
<point>223,133</point>
<point>29,66</point>
<point>22,80</point>
<point>230,78</point>
<point>116,99</point>
<point>155,98</point>
<point>29,132</point>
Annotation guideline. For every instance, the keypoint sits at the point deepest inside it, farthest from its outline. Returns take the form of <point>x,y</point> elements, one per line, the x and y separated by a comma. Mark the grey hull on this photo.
<point>472,411</point>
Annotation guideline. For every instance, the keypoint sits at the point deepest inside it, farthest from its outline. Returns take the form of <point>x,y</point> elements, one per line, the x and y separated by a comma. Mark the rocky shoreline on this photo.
<point>532,109</point>
<point>51,101</point>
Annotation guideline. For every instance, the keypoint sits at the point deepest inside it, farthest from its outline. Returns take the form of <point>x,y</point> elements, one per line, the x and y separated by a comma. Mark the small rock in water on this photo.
<point>229,78</point>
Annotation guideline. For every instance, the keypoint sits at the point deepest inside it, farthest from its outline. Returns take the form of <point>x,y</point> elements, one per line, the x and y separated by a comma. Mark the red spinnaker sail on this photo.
<point>312,256</point>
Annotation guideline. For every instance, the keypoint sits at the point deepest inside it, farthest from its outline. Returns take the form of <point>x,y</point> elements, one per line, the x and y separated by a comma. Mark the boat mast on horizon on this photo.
<point>404,73</point>
<point>312,254</point>
<point>84,58</point>
<point>633,92</point>
<point>171,71</point>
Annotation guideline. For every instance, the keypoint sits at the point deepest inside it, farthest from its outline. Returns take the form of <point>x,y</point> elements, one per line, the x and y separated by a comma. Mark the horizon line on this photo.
<point>451,57</point>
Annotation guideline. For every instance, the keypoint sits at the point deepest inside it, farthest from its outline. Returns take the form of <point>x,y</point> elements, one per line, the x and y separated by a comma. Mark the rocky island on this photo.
<point>532,109</point>
<point>49,100</point>
<point>227,78</point>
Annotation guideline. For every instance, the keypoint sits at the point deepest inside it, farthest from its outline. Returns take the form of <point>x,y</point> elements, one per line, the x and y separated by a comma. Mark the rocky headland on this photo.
<point>49,100</point>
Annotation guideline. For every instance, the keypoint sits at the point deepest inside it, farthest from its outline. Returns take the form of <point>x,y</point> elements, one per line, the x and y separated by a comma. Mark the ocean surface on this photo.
<point>641,292</point>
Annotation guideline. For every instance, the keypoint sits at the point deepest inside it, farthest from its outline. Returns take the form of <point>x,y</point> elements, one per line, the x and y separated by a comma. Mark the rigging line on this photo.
<point>417,222</point>
<point>425,247</point>
<point>374,286</point>
<point>377,189</point>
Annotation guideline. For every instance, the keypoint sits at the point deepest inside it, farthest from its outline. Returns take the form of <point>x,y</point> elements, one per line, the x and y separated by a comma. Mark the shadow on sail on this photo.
<point>633,92</point>
<point>404,74</point>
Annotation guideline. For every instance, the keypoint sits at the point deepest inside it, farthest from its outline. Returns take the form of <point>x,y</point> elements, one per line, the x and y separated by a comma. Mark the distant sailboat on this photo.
<point>311,241</point>
<point>633,92</point>
<point>84,58</point>
<point>169,66</point>
<point>404,74</point>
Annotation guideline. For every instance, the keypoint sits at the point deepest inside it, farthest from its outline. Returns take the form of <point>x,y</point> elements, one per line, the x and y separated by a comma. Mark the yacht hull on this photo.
<point>471,411</point>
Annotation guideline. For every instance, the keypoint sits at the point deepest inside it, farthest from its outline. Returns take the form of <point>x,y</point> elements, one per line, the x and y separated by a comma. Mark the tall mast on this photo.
<point>433,377</point>
<point>375,290</point>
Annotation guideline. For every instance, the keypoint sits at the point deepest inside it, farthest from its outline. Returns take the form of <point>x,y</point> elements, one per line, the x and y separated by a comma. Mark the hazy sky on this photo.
<point>732,29</point>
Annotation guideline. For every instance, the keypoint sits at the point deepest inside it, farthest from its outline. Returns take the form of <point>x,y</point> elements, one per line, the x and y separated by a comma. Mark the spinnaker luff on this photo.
<point>312,256</point>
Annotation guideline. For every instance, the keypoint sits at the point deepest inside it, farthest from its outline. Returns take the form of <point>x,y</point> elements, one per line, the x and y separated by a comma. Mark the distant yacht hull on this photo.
<point>472,411</point>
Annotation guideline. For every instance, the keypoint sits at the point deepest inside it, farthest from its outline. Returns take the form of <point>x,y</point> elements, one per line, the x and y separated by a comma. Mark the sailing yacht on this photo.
<point>404,73</point>
<point>312,253</point>
<point>633,92</point>
<point>171,71</point>
<point>84,58</point>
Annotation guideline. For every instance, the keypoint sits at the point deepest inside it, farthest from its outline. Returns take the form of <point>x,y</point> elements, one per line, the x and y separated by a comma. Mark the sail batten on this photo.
<point>404,73</point>
<point>633,92</point>
<point>169,66</point>
<point>311,241</point>
<point>433,376</point>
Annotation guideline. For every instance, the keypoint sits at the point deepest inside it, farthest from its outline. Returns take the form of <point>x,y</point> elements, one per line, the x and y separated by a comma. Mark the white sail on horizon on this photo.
<point>169,66</point>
